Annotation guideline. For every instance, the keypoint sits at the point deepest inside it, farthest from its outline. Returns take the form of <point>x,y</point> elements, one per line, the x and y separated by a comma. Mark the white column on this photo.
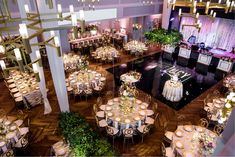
<point>55,62</point>
<point>226,144</point>
<point>166,14</point>
<point>42,83</point>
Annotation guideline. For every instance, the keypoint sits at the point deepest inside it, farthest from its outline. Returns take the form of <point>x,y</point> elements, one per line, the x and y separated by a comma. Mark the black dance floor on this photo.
<point>155,72</point>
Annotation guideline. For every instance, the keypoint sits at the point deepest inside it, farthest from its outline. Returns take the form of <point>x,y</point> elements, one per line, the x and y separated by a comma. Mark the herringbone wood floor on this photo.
<point>44,128</point>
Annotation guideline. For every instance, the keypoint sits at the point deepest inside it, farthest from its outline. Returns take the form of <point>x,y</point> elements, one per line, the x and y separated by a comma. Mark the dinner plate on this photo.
<point>12,128</point>
<point>142,113</point>
<point>116,99</point>
<point>110,103</point>
<point>178,133</point>
<point>127,121</point>
<point>143,107</point>
<point>179,144</point>
<point>7,122</point>
<point>213,135</point>
<point>188,128</point>
<point>2,143</point>
<point>200,129</point>
<point>110,114</point>
<point>188,154</point>
<point>117,119</point>
<point>137,118</point>
<point>60,151</point>
<point>108,108</point>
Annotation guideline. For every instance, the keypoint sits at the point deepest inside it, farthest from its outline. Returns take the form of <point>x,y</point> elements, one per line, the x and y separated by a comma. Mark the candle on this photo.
<point>197,15</point>
<point>81,14</point>
<point>57,42</point>
<point>35,68</point>
<point>116,124</point>
<point>2,49</point>
<point>17,54</point>
<point>59,8</point>
<point>180,11</point>
<point>26,8</point>
<point>71,9</point>
<point>214,15</point>
<point>38,55</point>
<point>74,19</point>
<point>23,30</point>
<point>211,13</point>
<point>2,64</point>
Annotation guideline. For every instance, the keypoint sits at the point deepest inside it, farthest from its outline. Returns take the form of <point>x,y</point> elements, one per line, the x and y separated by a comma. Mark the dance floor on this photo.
<point>155,72</point>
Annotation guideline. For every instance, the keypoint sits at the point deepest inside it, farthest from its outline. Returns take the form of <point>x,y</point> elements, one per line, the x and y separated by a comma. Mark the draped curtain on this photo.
<point>218,33</point>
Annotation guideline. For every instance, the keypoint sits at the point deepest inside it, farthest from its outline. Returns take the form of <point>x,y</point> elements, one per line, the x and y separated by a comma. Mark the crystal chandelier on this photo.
<point>88,4</point>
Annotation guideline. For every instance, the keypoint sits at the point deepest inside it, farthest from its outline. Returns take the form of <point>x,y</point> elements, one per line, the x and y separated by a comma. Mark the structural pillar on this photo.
<point>33,57</point>
<point>166,14</point>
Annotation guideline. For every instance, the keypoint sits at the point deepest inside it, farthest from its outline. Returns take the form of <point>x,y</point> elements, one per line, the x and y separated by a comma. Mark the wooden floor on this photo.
<point>44,128</point>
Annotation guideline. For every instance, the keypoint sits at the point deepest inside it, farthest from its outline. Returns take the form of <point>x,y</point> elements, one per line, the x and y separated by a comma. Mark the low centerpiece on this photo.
<point>207,144</point>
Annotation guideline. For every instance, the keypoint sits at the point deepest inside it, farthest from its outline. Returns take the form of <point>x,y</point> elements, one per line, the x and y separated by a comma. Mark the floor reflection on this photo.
<point>155,72</point>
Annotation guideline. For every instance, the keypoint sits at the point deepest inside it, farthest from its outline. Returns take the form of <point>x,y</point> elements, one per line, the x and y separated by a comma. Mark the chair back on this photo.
<point>146,129</point>
<point>99,101</point>
<point>128,132</point>
<point>110,130</point>
<point>109,94</point>
<point>148,98</point>
<point>156,117</point>
<point>165,126</point>
<point>95,108</point>
<point>163,148</point>
<point>218,129</point>
<point>203,123</point>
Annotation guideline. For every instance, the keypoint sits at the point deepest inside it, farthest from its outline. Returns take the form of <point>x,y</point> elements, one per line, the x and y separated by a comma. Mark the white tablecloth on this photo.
<point>173,91</point>
<point>188,137</point>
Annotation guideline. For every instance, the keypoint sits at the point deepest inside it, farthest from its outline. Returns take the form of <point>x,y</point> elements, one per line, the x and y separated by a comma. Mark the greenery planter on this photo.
<point>83,141</point>
<point>163,37</point>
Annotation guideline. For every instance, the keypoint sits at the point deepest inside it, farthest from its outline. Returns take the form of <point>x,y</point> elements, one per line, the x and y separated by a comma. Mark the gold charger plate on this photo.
<point>188,128</point>
<point>179,144</point>
<point>188,154</point>
<point>179,133</point>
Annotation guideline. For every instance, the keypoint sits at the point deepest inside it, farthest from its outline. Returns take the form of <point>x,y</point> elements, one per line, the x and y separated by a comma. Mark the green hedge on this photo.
<point>82,139</point>
<point>164,37</point>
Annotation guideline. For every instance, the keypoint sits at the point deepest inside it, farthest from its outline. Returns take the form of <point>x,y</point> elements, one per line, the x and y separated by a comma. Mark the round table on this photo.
<point>86,80</point>
<point>136,47</point>
<point>188,140</point>
<point>173,91</point>
<point>106,53</point>
<point>229,82</point>
<point>214,107</point>
<point>130,77</point>
<point>128,112</point>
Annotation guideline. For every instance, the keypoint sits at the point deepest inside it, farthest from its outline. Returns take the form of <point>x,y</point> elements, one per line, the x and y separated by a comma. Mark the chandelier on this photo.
<point>89,4</point>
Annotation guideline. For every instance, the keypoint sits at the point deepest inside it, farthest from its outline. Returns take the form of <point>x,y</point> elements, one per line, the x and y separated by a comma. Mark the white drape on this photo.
<point>218,33</point>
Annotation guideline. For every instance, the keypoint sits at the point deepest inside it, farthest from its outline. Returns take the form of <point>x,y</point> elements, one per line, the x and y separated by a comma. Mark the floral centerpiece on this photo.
<point>82,63</point>
<point>127,90</point>
<point>135,47</point>
<point>227,109</point>
<point>135,74</point>
<point>207,144</point>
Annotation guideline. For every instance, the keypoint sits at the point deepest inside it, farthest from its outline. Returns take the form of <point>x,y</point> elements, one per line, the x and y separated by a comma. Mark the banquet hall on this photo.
<point>117,78</point>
